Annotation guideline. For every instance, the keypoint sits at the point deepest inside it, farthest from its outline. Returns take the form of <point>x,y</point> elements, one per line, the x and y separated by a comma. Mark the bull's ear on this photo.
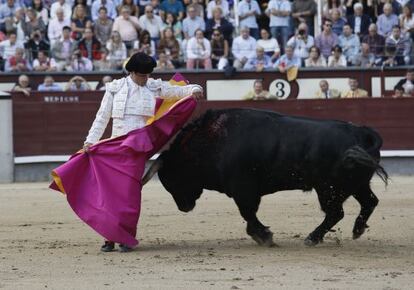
<point>152,170</point>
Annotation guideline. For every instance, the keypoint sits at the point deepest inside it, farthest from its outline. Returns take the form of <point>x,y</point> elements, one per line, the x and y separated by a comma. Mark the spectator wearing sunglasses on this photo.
<point>327,39</point>
<point>151,23</point>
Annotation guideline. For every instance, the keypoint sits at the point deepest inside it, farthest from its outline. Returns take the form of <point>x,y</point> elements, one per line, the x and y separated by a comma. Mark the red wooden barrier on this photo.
<point>57,123</point>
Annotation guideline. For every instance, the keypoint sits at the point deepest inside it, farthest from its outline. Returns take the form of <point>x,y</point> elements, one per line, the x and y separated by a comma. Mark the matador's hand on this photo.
<point>86,147</point>
<point>198,95</point>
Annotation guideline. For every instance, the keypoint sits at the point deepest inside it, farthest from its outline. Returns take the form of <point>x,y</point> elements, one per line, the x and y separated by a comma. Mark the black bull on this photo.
<point>248,153</point>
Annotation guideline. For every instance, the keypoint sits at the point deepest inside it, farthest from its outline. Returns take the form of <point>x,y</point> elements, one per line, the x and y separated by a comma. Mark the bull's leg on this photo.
<point>248,207</point>
<point>331,204</point>
<point>368,202</point>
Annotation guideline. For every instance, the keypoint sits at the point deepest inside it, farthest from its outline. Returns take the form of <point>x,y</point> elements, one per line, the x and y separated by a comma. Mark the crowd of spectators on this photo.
<point>404,87</point>
<point>86,35</point>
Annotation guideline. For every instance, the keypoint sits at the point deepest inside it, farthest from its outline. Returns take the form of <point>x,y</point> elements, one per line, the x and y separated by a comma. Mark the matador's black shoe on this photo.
<point>125,248</point>
<point>108,246</point>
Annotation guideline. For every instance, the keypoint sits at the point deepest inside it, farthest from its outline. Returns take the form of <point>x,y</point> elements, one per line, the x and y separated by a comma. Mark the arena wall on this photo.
<point>48,127</point>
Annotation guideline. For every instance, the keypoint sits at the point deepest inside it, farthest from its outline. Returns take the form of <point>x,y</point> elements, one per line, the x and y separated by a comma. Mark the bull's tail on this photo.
<point>357,157</point>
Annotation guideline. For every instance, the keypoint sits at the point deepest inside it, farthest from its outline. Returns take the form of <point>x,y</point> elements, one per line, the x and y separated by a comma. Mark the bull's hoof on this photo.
<point>264,238</point>
<point>359,230</point>
<point>311,242</point>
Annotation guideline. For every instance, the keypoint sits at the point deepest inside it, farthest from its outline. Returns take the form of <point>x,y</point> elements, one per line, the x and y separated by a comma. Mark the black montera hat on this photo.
<point>141,63</point>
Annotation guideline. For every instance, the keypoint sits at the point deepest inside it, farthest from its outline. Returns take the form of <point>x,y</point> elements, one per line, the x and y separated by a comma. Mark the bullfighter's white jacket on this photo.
<point>131,105</point>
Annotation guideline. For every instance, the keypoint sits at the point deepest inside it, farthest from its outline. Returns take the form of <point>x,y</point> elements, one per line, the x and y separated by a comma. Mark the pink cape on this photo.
<point>103,187</point>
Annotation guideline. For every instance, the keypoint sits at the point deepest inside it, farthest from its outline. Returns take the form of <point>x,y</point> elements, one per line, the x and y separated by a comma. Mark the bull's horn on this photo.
<point>152,170</point>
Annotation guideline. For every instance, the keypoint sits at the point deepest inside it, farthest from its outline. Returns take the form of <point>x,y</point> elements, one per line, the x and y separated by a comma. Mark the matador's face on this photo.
<point>139,79</point>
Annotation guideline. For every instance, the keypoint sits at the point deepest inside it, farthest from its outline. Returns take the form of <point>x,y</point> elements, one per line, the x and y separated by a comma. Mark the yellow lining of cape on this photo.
<point>167,104</point>
<point>58,182</point>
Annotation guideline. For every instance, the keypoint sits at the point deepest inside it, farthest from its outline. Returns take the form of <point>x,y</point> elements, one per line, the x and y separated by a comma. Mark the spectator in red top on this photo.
<point>17,63</point>
<point>89,46</point>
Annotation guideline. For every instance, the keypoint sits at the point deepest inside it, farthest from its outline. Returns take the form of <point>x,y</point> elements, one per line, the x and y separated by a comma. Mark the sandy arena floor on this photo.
<point>44,245</point>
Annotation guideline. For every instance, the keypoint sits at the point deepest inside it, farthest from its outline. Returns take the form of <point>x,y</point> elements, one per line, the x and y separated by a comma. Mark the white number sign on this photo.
<point>280,88</point>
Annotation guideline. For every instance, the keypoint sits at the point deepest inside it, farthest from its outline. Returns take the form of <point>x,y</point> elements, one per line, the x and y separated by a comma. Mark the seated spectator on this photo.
<point>44,63</point>
<point>15,24</point>
<point>35,44</point>
<point>33,24</point>
<point>23,85</point>
<point>151,23</point>
<point>389,59</point>
<point>127,26</point>
<point>63,49</point>
<point>301,42</point>
<point>326,40</point>
<point>89,46</point>
<point>80,63</point>
<point>407,21</point>
<point>270,45</point>
<point>49,85</point>
<point>258,93</point>
<point>108,4</point>
<point>192,22</point>
<point>8,47</point>
<point>198,6</point>
<point>359,21</point>
<point>17,62</point>
<point>279,13</point>
<point>387,21</point>
<point>315,58</point>
<point>163,63</point>
<point>354,91</point>
<point>176,25</point>
<point>402,46</point>
<point>198,51</point>
<point>131,4</point>
<point>104,81</point>
<point>337,22</point>
<point>80,21</point>
<point>54,31</point>
<point>145,44</point>
<point>155,5</point>
<point>349,43</point>
<point>378,7</point>
<point>77,83</point>
<point>61,4</point>
<point>288,60</point>
<point>398,92</point>
<point>330,5</point>
<point>174,7</point>
<point>260,61</point>
<point>337,59</point>
<point>248,11</point>
<point>7,10</point>
<point>219,50</point>
<point>375,41</point>
<point>103,26</point>
<point>104,64</point>
<point>117,52</point>
<point>41,12</point>
<point>243,48</point>
<point>219,22</point>
<point>407,83</point>
<point>170,47</point>
<point>365,58</point>
<point>223,4</point>
<point>85,3</point>
<point>325,92</point>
